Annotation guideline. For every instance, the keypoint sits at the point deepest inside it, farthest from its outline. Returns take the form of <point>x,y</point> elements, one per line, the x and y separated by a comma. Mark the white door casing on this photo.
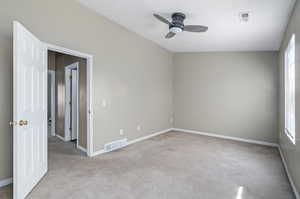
<point>30,104</point>
<point>89,105</point>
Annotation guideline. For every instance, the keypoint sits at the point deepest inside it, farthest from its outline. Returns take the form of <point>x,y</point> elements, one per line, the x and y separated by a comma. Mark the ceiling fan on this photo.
<point>177,25</point>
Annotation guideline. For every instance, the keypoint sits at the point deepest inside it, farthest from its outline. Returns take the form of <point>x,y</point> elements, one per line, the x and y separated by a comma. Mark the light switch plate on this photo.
<point>121,131</point>
<point>104,104</point>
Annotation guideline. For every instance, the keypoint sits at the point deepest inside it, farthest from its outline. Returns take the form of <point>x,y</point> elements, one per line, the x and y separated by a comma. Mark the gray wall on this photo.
<point>291,151</point>
<point>134,75</point>
<point>233,94</point>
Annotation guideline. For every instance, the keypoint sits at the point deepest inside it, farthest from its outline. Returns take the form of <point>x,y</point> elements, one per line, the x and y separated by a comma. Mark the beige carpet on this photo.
<point>170,166</point>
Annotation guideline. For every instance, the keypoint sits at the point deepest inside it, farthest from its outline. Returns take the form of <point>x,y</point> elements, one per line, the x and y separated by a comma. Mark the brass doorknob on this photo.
<point>20,123</point>
<point>23,123</point>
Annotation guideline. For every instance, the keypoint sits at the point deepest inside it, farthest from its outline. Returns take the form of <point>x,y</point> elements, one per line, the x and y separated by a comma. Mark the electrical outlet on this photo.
<point>138,128</point>
<point>121,131</point>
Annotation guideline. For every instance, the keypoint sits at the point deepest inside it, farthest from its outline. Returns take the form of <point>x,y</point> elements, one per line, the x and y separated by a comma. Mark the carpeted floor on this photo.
<point>170,166</point>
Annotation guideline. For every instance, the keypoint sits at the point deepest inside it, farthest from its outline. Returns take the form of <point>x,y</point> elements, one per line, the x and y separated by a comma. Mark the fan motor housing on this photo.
<point>177,20</point>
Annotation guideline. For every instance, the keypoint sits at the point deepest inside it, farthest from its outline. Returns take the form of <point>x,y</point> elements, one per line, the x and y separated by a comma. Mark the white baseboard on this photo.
<point>149,136</point>
<point>60,137</point>
<point>68,138</point>
<point>288,174</point>
<point>5,182</point>
<point>81,148</point>
<point>98,153</point>
<point>227,137</point>
<point>135,141</point>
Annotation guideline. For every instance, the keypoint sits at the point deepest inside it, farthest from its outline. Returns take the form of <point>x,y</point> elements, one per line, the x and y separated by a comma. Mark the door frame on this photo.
<point>52,74</point>
<point>89,59</point>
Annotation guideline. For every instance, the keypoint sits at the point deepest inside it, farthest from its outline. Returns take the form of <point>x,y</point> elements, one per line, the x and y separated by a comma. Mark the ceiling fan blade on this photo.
<point>170,35</point>
<point>160,18</point>
<point>195,28</point>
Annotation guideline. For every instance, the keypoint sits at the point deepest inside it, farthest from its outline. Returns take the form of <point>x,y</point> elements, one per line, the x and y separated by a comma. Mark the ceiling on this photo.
<point>264,30</point>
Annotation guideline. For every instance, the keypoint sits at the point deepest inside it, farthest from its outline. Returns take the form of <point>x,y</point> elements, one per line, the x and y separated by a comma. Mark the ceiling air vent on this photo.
<point>244,17</point>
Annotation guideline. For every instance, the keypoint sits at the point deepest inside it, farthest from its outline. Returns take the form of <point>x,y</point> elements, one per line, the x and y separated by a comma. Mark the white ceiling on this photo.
<point>264,31</point>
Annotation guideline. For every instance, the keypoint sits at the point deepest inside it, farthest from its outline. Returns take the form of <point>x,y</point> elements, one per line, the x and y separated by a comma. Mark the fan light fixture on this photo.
<point>177,25</point>
<point>175,29</point>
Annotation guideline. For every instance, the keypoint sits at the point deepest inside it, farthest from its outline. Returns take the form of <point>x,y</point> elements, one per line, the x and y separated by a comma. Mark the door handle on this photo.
<point>20,123</point>
<point>23,122</point>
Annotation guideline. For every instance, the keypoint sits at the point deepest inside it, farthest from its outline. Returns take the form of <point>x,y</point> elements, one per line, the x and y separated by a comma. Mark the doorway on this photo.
<point>89,79</point>
<point>71,114</point>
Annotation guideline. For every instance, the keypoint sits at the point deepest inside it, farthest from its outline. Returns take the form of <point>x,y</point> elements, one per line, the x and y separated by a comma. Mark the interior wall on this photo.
<point>131,74</point>
<point>60,87</point>
<point>51,60</point>
<point>232,94</point>
<point>290,151</point>
<point>82,103</point>
<point>63,60</point>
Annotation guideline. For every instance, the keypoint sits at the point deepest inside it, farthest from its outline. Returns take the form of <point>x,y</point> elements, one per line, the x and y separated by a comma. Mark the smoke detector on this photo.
<point>244,16</point>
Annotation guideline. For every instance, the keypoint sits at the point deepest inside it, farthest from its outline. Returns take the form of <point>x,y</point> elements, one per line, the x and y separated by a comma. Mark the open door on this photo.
<point>71,103</point>
<point>30,111</point>
<point>74,112</point>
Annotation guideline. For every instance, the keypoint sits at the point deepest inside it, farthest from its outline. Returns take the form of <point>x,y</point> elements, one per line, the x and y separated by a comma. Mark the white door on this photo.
<point>74,91</point>
<point>71,103</point>
<point>30,111</point>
